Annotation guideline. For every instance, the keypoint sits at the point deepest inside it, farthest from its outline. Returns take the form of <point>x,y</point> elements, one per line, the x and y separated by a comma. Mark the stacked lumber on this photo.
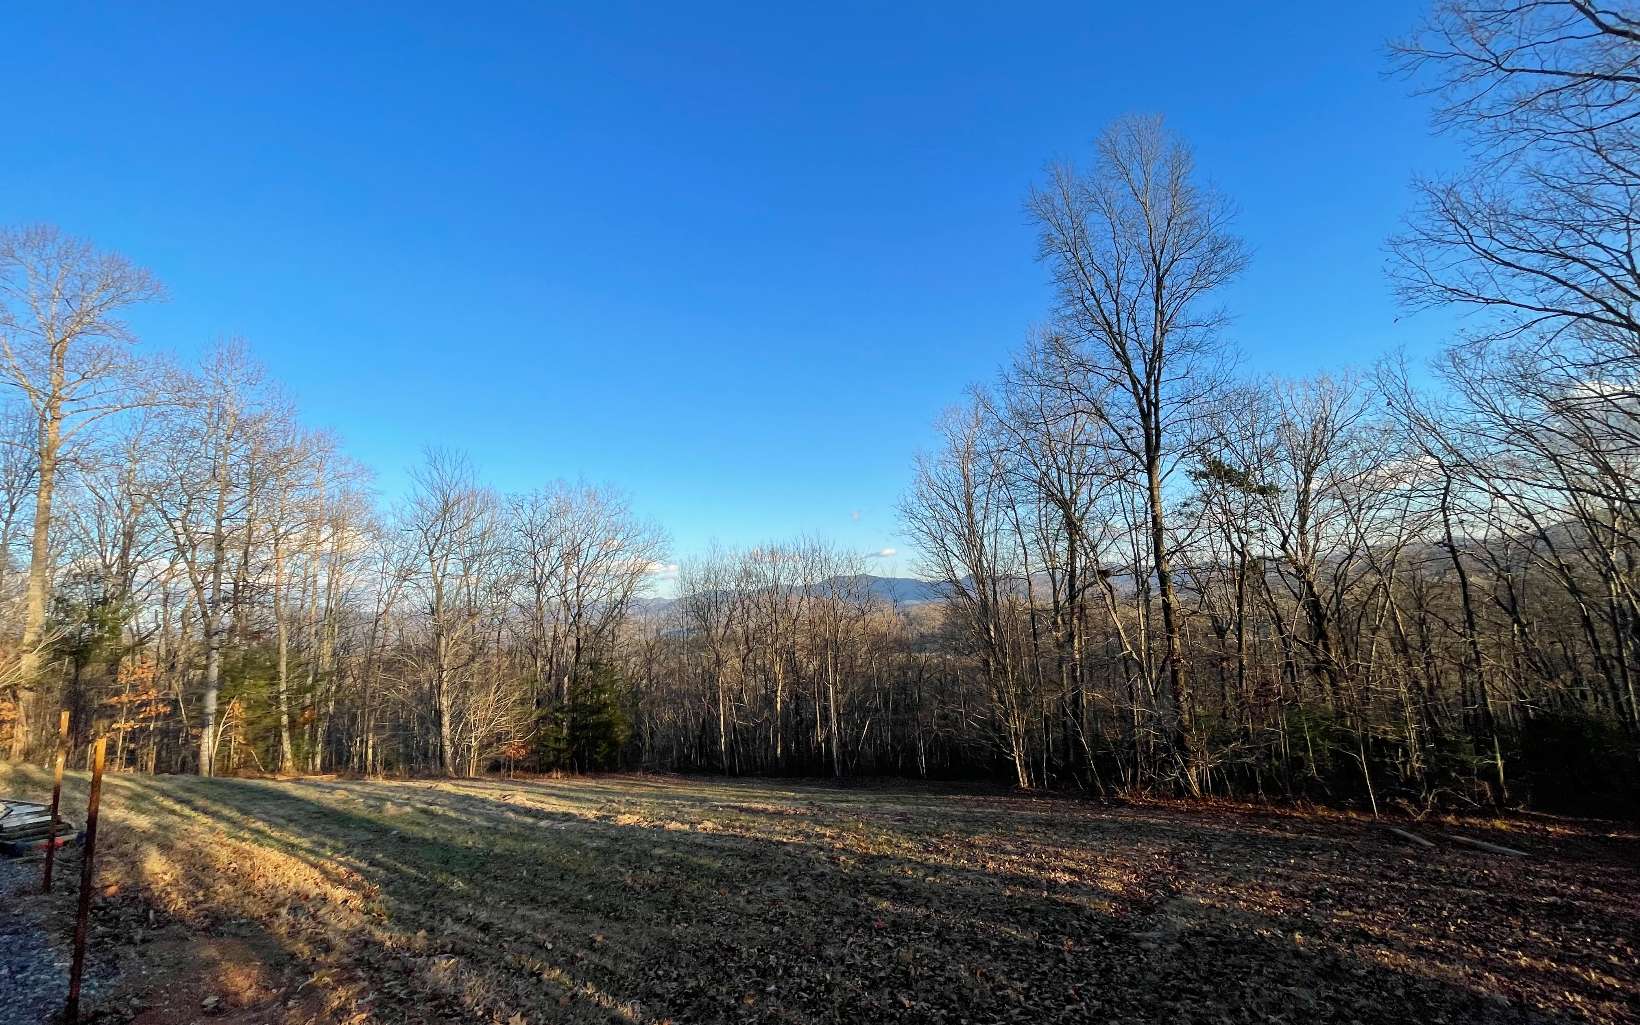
<point>25,827</point>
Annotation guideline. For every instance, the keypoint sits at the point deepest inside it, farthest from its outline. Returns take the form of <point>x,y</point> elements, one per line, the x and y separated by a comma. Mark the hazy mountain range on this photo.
<point>894,590</point>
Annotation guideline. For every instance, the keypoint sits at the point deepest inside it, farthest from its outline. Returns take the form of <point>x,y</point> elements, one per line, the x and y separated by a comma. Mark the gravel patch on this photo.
<point>33,978</point>
<point>34,964</point>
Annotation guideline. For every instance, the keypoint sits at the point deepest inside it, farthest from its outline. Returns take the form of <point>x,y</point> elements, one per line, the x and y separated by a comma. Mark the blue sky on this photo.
<point>731,258</point>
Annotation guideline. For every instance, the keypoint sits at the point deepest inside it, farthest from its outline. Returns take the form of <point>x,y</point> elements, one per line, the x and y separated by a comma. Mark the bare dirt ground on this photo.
<point>661,899</point>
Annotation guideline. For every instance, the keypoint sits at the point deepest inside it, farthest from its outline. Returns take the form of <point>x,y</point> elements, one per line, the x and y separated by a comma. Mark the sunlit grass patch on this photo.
<point>620,899</point>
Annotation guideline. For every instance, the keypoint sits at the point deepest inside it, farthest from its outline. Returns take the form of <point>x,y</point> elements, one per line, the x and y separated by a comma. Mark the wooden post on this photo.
<point>56,794</point>
<point>71,1014</point>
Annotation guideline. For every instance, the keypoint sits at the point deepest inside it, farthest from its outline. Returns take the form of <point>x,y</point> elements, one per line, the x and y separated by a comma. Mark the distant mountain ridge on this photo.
<point>893,590</point>
<point>900,590</point>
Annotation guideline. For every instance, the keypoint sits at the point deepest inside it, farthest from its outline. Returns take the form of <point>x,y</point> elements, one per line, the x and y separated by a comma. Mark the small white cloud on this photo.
<point>886,553</point>
<point>855,516</point>
<point>666,570</point>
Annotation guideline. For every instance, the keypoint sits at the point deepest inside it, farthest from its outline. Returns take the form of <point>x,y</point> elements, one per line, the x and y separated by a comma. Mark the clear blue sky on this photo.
<point>731,258</point>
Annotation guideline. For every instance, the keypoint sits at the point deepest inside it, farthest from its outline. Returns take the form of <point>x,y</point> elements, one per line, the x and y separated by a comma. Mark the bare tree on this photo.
<point>63,345</point>
<point>450,521</point>
<point>1137,247</point>
<point>580,556</point>
<point>203,488</point>
<point>958,513</point>
<point>710,608</point>
<point>1540,232</point>
<point>19,460</point>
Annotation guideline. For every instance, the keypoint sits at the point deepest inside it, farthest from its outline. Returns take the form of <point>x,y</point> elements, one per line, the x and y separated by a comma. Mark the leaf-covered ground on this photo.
<point>645,899</point>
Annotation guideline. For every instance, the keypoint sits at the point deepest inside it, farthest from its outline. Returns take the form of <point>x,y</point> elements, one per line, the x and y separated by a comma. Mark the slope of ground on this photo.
<point>643,899</point>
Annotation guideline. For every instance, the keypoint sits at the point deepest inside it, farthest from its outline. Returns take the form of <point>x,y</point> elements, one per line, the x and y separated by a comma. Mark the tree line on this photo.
<point>1379,584</point>
<point>1385,584</point>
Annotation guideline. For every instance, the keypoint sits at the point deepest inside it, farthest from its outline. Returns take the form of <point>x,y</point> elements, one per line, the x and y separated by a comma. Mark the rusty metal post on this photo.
<point>56,794</point>
<point>71,1013</point>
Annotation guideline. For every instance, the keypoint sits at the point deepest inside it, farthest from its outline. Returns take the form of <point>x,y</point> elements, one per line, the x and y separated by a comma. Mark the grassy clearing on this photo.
<point>644,899</point>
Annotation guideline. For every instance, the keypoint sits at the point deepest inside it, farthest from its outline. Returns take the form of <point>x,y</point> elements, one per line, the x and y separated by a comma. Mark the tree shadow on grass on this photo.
<point>448,903</point>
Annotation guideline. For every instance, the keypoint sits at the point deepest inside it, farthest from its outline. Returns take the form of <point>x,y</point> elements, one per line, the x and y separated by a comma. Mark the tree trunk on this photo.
<point>39,573</point>
<point>287,756</point>
<point>213,678</point>
<point>1172,645</point>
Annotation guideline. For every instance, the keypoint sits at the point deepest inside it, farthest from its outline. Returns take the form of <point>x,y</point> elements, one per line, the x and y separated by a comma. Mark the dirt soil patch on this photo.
<point>662,899</point>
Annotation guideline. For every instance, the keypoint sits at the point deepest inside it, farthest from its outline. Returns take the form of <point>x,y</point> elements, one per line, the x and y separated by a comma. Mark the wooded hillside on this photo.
<point>1392,583</point>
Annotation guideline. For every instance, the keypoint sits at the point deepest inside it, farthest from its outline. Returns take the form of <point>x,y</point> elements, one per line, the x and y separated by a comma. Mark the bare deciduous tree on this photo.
<point>63,344</point>
<point>1137,247</point>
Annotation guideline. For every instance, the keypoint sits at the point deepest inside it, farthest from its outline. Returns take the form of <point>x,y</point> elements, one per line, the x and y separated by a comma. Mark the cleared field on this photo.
<point>644,899</point>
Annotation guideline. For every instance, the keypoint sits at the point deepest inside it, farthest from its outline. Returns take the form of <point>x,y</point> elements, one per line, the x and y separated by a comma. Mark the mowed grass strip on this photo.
<point>661,899</point>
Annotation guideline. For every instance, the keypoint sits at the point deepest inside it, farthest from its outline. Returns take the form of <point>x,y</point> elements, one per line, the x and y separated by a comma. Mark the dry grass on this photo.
<point>644,899</point>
